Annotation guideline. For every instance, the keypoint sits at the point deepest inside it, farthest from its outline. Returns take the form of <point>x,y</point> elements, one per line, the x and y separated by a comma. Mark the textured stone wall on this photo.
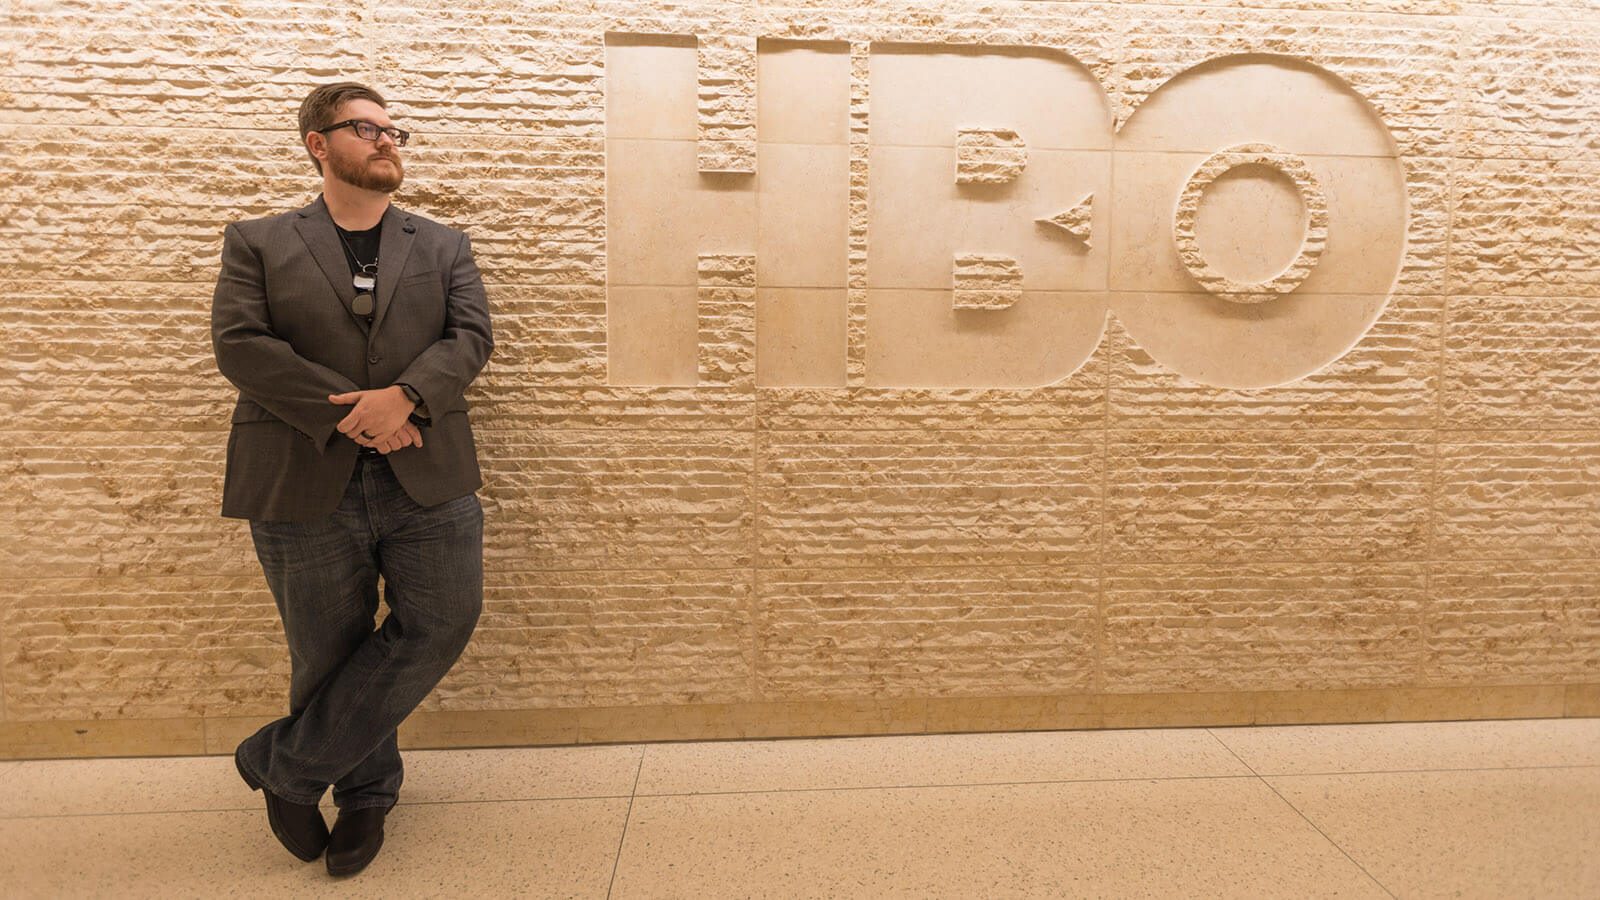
<point>677,547</point>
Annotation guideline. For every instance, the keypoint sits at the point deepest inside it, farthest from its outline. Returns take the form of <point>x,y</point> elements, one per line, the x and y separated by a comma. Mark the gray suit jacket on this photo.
<point>284,335</point>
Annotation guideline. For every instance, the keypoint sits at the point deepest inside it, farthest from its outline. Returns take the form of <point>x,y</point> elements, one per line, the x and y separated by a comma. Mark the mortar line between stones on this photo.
<point>1307,819</point>
<point>1098,679</point>
<point>1425,615</point>
<point>4,716</point>
<point>753,497</point>
<point>627,817</point>
<point>753,604</point>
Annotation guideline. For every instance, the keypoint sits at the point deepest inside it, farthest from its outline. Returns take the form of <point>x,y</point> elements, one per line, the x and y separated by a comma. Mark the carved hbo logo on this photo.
<point>969,216</point>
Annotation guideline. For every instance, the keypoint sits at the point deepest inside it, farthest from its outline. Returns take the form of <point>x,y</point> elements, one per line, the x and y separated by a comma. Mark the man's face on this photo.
<point>373,166</point>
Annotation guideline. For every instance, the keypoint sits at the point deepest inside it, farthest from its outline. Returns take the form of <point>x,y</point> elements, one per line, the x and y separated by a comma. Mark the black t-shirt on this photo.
<point>362,245</point>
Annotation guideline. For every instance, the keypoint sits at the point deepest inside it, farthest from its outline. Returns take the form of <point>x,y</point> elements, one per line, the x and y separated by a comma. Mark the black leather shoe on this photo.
<point>298,827</point>
<point>357,835</point>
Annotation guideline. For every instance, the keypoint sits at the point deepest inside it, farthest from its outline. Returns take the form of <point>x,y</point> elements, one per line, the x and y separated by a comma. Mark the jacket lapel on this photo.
<point>394,245</point>
<point>316,229</point>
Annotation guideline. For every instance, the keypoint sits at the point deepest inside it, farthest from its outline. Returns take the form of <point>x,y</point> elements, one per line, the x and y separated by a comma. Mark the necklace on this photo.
<point>364,280</point>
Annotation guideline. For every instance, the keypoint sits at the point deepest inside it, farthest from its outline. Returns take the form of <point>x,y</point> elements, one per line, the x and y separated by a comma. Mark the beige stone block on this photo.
<point>915,338</point>
<point>1226,345</point>
<point>652,336</point>
<point>803,92</point>
<point>552,639</point>
<point>922,95</point>
<point>1487,701</point>
<point>489,727</point>
<point>1367,223</point>
<point>802,195</point>
<point>1511,495</point>
<point>1520,362</point>
<point>115,787</point>
<point>1274,99</point>
<point>1356,704</point>
<point>427,847</point>
<point>985,281</point>
<point>1176,710</point>
<point>1557,11</point>
<point>140,647</point>
<point>935,759</point>
<point>1074,404</point>
<point>651,84</point>
<point>833,631</point>
<point>920,219</point>
<point>1525,228</point>
<point>620,498</point>
<point>1512,621</point>
<point>800,337</point>
<point>1251,223</point>
<point>1098,837</point>
<point>1366,203</point>
<point>898,498</point>
<point>661,213</point>
<point>1528,87</point>
<point>223,734</point>
<point>726,305</point>
<point>1268,496</point>
<point>42,739</point>
<point>1408,704</point>
<point>1583,700</point>
<point>845,716</point>
<point>1370,48</point>
<point>989,155</point>
<point>1475,832</point>
<point>1257,626</point>
<point>1043,712</point>
<point>1389,379</point>
<point>1429,234</point>
<point>104,51</point>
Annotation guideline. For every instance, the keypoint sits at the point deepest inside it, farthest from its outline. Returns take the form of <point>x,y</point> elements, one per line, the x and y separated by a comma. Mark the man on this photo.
<point>352,330</point>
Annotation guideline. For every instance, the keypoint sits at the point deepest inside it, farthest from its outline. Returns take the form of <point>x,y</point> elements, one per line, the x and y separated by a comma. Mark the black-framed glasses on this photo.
<point>369,131</point>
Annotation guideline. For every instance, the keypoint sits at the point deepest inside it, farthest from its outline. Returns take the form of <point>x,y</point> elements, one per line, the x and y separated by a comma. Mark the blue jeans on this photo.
<point>350,685</point>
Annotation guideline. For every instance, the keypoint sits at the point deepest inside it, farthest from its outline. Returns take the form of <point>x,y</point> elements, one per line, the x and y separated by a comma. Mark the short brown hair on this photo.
<point>320,106</point>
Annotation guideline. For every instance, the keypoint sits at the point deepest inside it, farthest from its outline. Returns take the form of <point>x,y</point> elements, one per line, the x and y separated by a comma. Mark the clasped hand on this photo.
<point>380,419</point>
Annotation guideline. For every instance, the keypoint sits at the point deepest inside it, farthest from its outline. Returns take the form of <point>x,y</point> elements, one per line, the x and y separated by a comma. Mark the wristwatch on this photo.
<point>418,415</point>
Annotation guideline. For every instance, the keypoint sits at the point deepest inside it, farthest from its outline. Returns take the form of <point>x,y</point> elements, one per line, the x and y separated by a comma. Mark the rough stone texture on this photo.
<point>986,281</point>
<point>1076,221</point>
<point>1316,230</point>
<point>1423,512</point>
<point>989,155</point>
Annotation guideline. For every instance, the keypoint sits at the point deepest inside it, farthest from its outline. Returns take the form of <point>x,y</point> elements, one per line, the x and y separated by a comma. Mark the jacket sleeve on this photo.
<point>262,365</point>
<point>442,372</point>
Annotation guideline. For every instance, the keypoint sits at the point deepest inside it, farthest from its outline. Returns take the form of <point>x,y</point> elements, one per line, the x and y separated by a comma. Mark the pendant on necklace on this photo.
<point>362,304</point>
<point>364,282</point>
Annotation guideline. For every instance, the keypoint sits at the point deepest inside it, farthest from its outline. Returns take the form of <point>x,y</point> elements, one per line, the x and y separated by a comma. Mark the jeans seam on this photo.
<point>360,693</point>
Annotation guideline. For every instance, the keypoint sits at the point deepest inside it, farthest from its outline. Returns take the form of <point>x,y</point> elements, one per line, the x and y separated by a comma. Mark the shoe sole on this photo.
<point>272,820</point>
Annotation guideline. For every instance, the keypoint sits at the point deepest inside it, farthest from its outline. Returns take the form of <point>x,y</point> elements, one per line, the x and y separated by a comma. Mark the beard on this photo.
<point>366,173</point>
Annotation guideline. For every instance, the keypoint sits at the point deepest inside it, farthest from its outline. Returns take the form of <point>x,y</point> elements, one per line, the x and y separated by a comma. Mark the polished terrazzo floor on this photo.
<point>1447,809</point>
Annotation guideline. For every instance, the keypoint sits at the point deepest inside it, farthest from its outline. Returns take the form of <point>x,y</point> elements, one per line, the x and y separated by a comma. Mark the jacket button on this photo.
<point>374,359</point>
